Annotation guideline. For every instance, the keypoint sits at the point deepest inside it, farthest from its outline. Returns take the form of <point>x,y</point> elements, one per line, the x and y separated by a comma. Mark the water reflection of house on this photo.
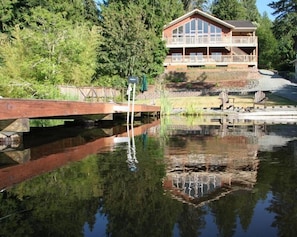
<point>209,165</point>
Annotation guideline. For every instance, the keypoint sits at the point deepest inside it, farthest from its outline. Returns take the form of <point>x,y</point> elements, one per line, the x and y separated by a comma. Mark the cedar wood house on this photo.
<point>198,39</point>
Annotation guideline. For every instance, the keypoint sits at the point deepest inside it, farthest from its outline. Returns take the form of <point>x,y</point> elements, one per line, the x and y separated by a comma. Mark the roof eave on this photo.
<point>244,29</point>
<point>200,13</point>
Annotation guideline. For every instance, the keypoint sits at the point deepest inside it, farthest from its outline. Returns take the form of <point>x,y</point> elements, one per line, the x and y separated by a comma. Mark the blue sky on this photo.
<point>262,7</point>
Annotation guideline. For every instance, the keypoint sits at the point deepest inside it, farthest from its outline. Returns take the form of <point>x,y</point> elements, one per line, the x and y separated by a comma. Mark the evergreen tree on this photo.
<point>132,32</point>
<point>155,14</point>
<point>251,11</point>
<point>193,4</point>
<point>228,10</point>
<point>13,12</point>
<point>6,14</point>
<point>126,40</point>
<point>73,10</point>
<point>268,51</point>
<point>285,23</point>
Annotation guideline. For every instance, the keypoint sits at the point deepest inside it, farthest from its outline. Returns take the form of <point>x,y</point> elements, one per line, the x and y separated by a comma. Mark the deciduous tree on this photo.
<point>50,51</point>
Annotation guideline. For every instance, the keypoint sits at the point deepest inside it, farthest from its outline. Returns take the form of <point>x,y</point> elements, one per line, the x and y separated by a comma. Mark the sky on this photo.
<point>262,7</point>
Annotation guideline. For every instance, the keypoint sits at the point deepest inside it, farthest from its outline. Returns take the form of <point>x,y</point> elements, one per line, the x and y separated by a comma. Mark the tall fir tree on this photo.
<point>13,12</point>
<point>268,47</point>
<point>132,36</point>
<point>155,13</point>
<point>286,20</point>
<point>251,10</point>
<point>228,9</point>
<point>193,4</point>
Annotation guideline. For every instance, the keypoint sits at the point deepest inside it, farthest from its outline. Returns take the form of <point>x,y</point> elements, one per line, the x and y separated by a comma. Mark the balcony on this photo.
<point>197,60</point>
<point>217,41</point>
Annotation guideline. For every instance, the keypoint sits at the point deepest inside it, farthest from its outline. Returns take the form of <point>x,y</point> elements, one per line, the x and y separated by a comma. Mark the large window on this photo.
<point>179,31</point>
<point>199,31</point>
<point>215,33</point>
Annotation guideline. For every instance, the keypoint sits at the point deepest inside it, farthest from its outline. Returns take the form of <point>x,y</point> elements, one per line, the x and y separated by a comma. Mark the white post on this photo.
<point>133,146</point>
<point>133,102</point>
<point>128,112</point>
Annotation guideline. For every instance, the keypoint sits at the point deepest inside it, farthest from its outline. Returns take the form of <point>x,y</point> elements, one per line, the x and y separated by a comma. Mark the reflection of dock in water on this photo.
<point>44,158</point>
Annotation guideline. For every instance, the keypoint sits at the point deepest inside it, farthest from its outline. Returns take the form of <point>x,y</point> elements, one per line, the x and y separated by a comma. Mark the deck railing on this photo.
<point>211,41</point>
<point>211,59</point>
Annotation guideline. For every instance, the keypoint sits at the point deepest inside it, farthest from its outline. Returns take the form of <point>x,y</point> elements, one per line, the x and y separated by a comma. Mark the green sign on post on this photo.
<point>144,84</point>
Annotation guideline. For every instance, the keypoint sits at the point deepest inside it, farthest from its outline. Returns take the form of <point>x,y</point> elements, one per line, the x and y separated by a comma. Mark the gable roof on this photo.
<point>246,25</point>
<point>197,11</point>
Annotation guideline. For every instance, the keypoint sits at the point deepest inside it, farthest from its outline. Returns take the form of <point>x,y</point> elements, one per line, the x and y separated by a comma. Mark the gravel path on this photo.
<point>272,82</point>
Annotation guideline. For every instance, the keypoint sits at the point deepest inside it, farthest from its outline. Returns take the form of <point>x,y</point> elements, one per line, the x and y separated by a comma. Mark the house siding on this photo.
<point>234,47</point>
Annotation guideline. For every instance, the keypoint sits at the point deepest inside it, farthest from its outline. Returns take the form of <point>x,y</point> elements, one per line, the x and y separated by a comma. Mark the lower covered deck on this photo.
<point>212,56</point>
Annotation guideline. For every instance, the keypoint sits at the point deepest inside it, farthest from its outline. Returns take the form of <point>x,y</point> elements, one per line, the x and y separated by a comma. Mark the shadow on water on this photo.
<point>180,177</point>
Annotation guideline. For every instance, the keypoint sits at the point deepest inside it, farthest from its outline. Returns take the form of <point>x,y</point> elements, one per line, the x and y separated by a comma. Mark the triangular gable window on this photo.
<point>199,30</point>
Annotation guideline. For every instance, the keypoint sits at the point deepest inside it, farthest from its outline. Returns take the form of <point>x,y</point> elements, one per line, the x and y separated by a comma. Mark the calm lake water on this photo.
<point>176,177</point>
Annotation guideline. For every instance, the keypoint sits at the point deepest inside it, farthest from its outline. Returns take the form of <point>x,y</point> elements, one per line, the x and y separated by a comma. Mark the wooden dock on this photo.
<point>15,113</point>
<point>26,108</point>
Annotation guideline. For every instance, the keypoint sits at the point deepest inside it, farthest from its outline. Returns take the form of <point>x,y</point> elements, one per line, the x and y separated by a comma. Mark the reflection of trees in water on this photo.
<point>277,172</point>
<point>236,153</point>
<point>54,204</point>
<point>190,221</point>
<point>13,215</point>
<point>61,202</point>
<point>134,201</point>
<point>282,178</point>
<point>236,205</point>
